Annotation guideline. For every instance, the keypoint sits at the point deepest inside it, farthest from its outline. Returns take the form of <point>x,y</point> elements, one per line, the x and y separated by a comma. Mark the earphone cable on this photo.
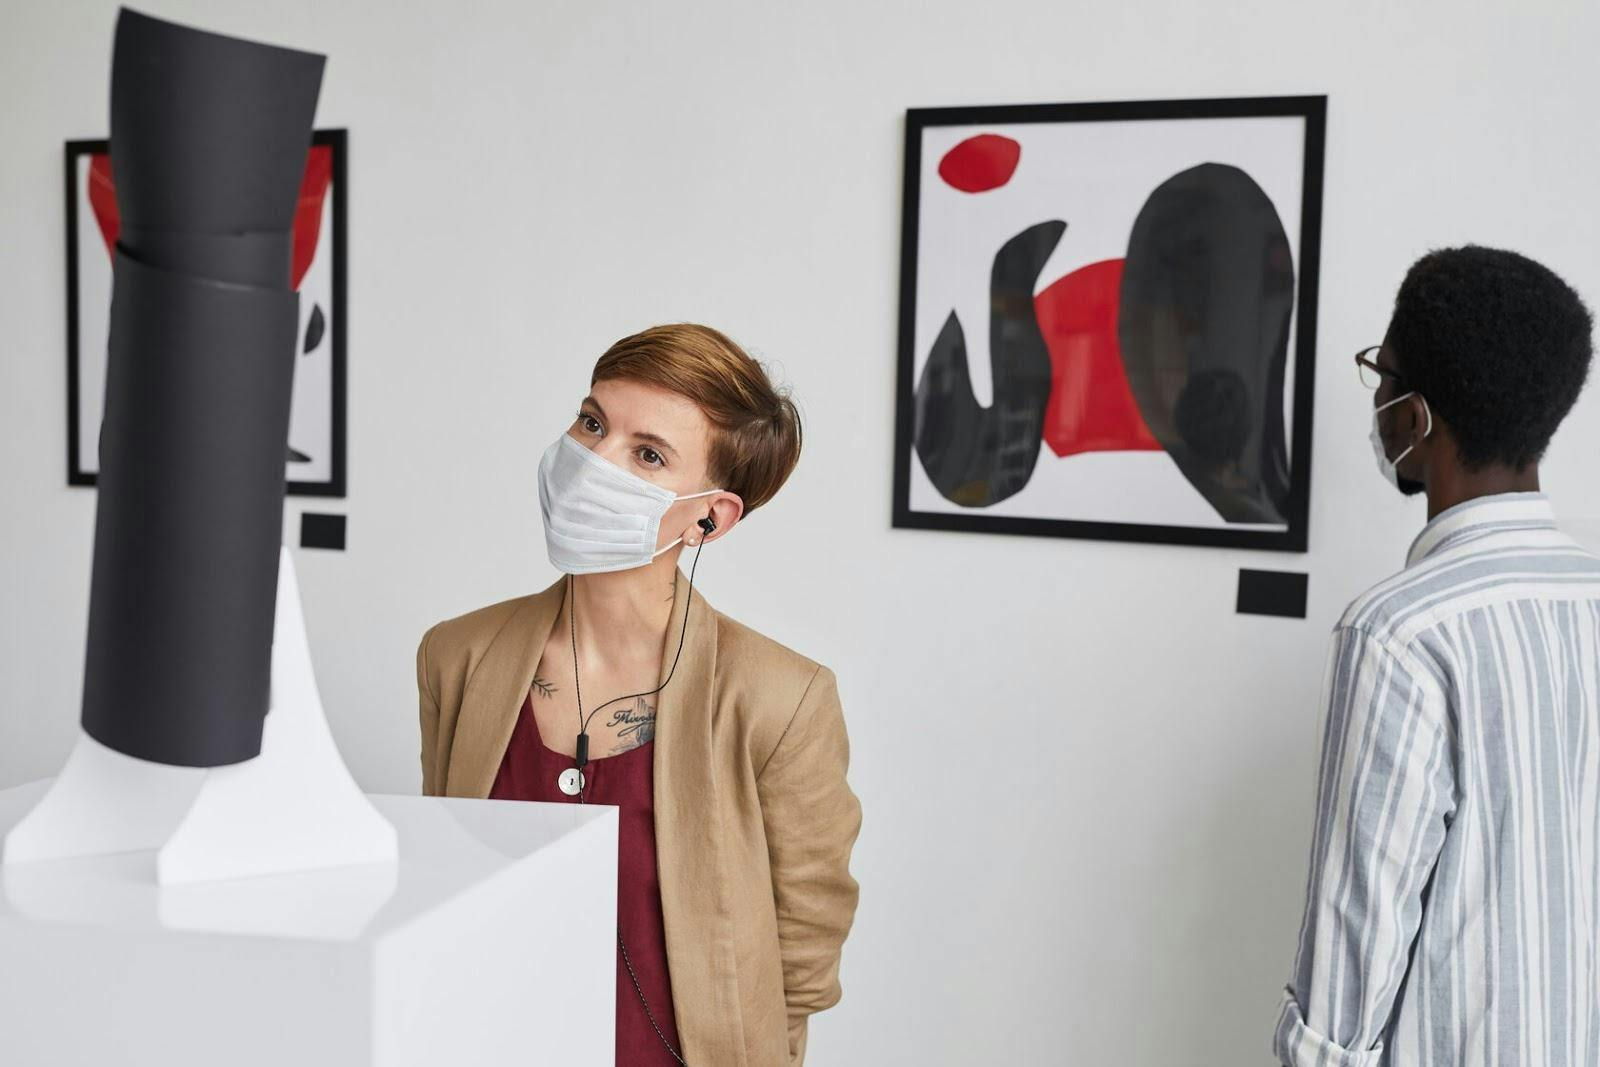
<point>572,618</point>
<point>583,729</point>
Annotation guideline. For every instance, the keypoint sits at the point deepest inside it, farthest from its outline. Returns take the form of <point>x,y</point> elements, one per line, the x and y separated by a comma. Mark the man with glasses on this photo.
<point>1453,911</point>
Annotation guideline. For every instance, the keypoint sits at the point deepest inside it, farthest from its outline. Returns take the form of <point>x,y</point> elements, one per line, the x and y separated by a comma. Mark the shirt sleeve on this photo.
<point>1385,795</point>
<point>811,819</point>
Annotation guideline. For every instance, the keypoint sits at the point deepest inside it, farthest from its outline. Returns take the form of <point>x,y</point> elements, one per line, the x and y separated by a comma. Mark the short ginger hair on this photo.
<point>755,426</point>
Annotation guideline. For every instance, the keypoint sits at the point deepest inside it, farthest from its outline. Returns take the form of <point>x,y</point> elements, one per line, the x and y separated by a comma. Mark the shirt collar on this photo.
<point>1507,511</point>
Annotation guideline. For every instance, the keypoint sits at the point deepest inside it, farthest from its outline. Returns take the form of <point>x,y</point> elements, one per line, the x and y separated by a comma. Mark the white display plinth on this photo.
<point>493,939</point>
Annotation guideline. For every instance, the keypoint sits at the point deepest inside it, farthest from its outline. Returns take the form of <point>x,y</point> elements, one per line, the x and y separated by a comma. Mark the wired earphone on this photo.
<point>574,777</point>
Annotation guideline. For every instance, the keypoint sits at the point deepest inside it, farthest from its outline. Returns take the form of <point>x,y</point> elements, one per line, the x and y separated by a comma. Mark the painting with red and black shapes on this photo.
<point>315,454</point>
<point>1108,320</point>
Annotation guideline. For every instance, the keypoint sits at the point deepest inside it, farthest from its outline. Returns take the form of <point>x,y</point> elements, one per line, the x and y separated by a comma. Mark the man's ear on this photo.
<point>1423,424</point>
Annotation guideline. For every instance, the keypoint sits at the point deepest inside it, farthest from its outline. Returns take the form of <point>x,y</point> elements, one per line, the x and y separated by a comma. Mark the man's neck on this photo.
<point>623,615</point>
<point>1457,486</point>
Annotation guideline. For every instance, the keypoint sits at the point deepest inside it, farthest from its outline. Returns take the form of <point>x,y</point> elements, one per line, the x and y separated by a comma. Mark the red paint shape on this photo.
<point>1091,408</point>
<point>307,214</point>
<point>980,163</point>
<point>103,199</point>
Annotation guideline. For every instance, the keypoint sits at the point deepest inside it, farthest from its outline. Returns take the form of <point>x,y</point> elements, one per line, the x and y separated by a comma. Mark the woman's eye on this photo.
<point>651,456</point>
<point>589,422</point>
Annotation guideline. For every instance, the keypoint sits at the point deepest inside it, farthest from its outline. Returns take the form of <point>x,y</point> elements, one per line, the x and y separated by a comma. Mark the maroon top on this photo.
<point>528,772</point>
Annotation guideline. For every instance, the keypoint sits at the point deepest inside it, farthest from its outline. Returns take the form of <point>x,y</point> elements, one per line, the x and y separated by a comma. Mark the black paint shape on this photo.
<point>977,456</point>
<point>1281,593</point>
<point>314,329</point>
<point>1207,291</point>
<point>321,531</point>
<point>188,520</point>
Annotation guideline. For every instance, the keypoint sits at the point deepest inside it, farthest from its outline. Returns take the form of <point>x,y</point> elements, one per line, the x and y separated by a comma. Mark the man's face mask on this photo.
<point>1390,468</point>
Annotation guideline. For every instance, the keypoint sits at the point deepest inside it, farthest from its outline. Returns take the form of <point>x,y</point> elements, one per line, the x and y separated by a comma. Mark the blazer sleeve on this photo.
<point>811,819</point>
<point>428,716</point>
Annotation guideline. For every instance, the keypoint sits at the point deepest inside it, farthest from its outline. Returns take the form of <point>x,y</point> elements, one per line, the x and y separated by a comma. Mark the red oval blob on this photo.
<point>980,163</point>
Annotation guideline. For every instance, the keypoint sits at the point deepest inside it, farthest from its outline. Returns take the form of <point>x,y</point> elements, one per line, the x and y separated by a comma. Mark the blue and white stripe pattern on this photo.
<point>1453,911</point>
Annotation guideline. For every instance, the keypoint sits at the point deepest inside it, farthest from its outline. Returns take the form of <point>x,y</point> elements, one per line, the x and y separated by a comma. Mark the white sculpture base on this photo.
<point>293,807</point>
<point>491,940</point>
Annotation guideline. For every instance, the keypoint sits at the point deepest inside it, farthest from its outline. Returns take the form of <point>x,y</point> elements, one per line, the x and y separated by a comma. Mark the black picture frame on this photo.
<point>335,485</point>
<point>1295,538</point>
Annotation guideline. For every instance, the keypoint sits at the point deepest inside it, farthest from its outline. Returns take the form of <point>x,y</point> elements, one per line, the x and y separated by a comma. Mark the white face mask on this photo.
<point>597,516</point>
<point>1390,468</point>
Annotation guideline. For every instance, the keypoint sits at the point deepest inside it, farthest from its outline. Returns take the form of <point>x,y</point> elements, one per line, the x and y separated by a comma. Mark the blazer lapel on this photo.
<point>701,953</point>
<point>494,694</point>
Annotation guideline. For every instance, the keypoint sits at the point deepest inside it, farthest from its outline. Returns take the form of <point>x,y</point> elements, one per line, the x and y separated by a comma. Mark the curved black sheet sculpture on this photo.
<point>1207,291</point>
<point>978,455</point>
<point>209,136</point>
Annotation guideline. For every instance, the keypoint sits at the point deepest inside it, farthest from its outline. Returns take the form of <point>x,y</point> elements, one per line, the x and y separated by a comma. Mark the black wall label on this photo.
<point>321,531</point>
<point>1280,593</point>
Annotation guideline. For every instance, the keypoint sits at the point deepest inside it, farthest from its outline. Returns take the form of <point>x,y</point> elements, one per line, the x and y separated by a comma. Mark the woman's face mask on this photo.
<point>599,517</point>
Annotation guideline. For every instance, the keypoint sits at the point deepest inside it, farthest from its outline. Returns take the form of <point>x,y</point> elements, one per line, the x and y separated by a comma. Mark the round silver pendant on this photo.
<point>571,781</point>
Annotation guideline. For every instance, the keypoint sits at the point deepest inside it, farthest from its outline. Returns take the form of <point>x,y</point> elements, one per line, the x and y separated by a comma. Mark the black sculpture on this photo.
<point>209,136</point>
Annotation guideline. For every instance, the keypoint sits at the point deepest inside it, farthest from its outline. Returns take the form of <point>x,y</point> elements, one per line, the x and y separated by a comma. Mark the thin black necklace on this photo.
<point>581,755</point>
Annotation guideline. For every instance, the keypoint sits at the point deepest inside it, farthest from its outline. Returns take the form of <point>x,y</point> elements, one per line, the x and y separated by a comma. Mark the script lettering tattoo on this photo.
<point>546,689</point>
<point>637,725</point>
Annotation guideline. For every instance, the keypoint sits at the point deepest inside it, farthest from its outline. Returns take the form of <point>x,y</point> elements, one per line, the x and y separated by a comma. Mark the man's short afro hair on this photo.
<point>1498,346</point>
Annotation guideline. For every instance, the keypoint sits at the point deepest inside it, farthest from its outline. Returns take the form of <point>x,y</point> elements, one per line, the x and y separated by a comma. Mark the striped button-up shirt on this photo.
<point>1453,913</point>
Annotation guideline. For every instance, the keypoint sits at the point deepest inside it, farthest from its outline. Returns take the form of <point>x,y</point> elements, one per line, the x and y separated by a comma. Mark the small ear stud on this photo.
<point>691,542</point>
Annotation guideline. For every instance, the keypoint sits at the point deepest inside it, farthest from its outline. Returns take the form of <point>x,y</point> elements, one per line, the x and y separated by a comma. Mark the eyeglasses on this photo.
<point>1370,373</point>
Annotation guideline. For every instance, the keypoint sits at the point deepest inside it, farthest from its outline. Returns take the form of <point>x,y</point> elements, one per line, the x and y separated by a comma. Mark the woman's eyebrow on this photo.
<point>655,440</point>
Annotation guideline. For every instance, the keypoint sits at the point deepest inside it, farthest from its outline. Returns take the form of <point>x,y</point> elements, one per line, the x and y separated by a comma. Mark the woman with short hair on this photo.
<point>724,751</point>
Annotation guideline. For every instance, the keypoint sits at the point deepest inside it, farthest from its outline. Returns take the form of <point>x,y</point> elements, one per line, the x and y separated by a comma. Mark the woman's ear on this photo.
<point>723,513</point>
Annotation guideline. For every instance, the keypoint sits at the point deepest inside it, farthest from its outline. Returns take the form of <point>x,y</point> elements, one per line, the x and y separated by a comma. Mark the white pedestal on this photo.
<point>294,807</point>
<point>492,939</point>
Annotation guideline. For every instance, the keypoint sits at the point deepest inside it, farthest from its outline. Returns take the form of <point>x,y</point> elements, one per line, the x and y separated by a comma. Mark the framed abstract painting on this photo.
<point>1108,320</point>
<point>315,456</point>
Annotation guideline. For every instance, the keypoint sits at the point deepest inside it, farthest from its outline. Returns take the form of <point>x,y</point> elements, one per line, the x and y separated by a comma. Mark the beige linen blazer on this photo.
<point>754,818</point>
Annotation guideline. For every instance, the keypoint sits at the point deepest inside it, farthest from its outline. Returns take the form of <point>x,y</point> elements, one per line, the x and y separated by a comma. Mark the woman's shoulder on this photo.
<point>765,684</point>
<point>745,654</point>
<point>472,631</point>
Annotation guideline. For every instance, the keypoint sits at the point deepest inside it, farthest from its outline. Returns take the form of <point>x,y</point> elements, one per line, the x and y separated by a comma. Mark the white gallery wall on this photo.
<point>1087,782</point>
